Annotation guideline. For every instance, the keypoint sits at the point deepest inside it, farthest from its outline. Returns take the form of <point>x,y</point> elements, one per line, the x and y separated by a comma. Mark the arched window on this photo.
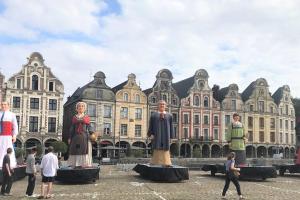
<point>206,102</point>
<point>35,82</point>
<point>196,101</point>
<point>164,97</point>
<point>137,98</point>
<point>125,97</point>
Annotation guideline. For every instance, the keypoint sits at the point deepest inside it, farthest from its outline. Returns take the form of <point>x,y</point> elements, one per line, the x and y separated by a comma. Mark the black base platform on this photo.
<point>163,174</point>
<point>19,173</point>
<point>77,175</point>
<point>290,168</point>
<point>248,172</point>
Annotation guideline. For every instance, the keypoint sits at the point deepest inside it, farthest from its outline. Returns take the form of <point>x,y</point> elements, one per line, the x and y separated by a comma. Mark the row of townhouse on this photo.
<point>201,114</point>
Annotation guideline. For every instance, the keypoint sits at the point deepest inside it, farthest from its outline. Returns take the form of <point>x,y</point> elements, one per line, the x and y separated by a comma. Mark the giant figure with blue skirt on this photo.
<point>236,138</point>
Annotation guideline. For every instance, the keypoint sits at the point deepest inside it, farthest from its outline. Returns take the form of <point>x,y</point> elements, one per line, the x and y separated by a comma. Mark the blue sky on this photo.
<point>235,41</point>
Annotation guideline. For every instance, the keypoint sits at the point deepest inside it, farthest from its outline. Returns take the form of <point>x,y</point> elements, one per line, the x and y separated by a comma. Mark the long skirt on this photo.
<point>161,157</point>
<point>84,160</point>
<point>5,143</point>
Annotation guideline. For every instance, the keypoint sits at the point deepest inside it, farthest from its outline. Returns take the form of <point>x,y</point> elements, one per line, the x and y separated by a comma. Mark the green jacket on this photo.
<point>235,136</point>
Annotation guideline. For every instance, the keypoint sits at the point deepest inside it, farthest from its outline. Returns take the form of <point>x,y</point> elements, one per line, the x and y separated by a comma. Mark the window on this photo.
<point>206,119</point>
<point>271,109</point>
<point>137,98</point>
<point>216,120</point>
<point>138,113</point>
<point>281,111</point>
<point>99,94</point>
<point>174,101</point>
<point>35,82</point>
<point>292,138</point>
<point>261,136</point>
<point>272,123</point>
<point>251,108</point>
<point>174,116</point>
<point>124,113</point>
<point>107,111</point>
<point>272,137</point>
<point>281,139</point>
<point>286,109</point>
<point>107,128</point>
<point>227,120</point>
<point>250,122</point>
<point>18,83</point>
<point>51,86</point>
<point>280,122</point>
<point>16,102</point>
<point>292,125</point>
<point>138,131</point>
<point>153,100</point>
<point>286,124</point>
<point>93,125</point>
<point>196,101</point>
<point>206,137</point>
<point>233,105</point>
<point>33,124</point>
<point>241,119</point>
<point>196,119</point>
<point>52,104</point>
<point>91,110</point>
<point>34,103</point>
<point>175,131</point>
<point>51,124</point>
<point>185,118</point>
<point>164,97</point>
<point>125,97</point>
<point>18,120</point>
<point>261,122</point>
<point>206,103</point>
<point>196,133</point>
<point>286,138</point>
<point>186,132</point>
<point>123,129</point>
<point>250,136</point>
<point>216,134</point>
<point>261,106</point>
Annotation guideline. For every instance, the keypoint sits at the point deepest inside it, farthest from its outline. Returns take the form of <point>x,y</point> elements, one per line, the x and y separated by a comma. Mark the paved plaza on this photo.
<point>120,182</point>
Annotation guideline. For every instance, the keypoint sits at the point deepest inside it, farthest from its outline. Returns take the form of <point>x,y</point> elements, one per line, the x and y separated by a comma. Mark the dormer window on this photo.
<point>125,97</point>
<point>51,86</point>
<point>206,103</point>
<point>35,82</point>
<point>19,82</point>
<point>196,101</point>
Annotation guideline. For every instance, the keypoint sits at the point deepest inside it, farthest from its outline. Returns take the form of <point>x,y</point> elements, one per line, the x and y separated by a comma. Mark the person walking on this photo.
<point>49,166</point>
<point>231,175</point>
<point>31,172</point>
<point>7,173</point>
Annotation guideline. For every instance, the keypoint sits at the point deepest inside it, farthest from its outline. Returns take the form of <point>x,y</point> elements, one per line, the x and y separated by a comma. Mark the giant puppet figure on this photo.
<point>80,150</point>
<point>160,132</point>
<point>8,133</point>
<point>236,139</point>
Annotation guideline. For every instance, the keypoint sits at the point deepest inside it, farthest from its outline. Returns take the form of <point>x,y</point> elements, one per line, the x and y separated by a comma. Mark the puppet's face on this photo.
<point>80,108</point>
<point>236,118</point>
<point>4,106</point>
<point>162,106</point>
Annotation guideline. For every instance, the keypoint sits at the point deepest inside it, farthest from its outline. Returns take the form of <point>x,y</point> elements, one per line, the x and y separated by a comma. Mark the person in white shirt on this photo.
<point>49,166</point>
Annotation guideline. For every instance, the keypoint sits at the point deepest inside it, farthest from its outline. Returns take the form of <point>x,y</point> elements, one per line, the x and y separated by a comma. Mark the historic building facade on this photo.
<point>36,97</point>
<point>163,90</point>
<point>100,100</point>
<point>199,117</point>
<point>2,91</point>
<point>131,114</point>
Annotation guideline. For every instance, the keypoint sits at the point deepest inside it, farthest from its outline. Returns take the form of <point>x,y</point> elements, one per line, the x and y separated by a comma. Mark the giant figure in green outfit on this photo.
<point>236,139</point>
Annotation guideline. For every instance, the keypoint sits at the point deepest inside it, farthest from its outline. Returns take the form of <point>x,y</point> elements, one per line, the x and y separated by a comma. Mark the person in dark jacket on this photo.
<point>7,173</point>
<point>160,132</point>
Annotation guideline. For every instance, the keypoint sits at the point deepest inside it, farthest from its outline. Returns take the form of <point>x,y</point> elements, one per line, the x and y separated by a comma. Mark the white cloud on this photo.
<point>235,41</point>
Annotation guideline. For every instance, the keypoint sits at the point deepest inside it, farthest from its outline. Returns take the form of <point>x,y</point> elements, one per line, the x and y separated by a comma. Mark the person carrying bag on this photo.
<point>232,174</point>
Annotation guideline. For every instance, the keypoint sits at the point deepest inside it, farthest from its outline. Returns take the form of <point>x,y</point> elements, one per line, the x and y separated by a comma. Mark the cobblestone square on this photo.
<point>119,182</point>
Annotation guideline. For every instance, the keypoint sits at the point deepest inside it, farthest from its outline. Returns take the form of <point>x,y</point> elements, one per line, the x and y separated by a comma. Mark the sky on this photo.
<point>236,41</point>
